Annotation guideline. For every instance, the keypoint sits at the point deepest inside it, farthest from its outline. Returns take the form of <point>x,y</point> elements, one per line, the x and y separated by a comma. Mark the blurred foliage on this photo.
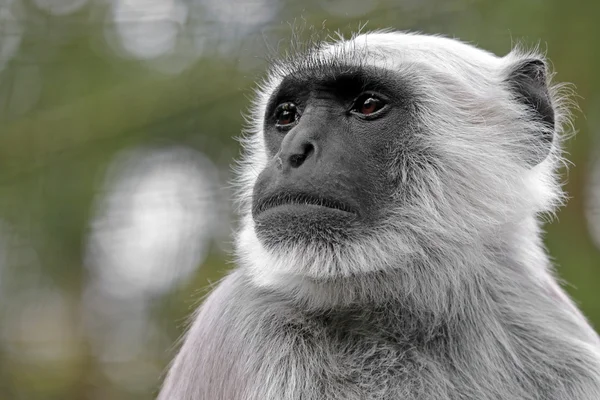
<point>84,83</point>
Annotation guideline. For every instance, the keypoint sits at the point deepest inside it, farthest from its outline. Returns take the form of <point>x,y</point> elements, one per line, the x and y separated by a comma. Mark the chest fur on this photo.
<point>356,361</point>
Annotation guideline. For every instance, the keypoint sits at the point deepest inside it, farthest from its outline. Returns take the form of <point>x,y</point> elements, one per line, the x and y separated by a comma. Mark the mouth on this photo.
<point>302,200</point>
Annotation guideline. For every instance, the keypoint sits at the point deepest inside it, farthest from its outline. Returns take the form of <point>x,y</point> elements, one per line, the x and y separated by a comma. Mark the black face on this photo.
<point>331,138</point>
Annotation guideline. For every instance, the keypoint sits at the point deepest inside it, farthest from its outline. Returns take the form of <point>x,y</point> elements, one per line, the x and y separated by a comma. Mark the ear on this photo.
<point>528,81</point>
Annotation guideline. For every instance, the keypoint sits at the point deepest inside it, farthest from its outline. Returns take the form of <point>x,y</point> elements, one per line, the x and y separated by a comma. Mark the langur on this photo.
<point>390,243</point>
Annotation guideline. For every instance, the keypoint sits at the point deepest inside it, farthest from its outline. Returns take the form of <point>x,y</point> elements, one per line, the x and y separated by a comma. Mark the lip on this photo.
<point>302,200</point>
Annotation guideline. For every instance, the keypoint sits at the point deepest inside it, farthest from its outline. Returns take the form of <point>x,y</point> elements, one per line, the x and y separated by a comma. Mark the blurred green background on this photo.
<point>117,120</point>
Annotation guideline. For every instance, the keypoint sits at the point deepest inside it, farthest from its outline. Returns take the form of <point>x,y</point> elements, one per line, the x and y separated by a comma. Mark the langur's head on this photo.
<point>366,153</point>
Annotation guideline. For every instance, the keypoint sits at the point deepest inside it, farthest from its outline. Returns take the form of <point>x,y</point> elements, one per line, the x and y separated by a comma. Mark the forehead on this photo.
<point>371,55</point>
<point>420,48</point>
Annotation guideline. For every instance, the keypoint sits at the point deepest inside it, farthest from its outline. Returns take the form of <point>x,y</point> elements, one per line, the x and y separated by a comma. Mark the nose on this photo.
<point>296,150</point>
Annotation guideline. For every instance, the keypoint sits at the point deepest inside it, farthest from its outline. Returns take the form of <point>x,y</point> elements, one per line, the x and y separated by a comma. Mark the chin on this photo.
<point>275,254</point>
<point>301,225</point>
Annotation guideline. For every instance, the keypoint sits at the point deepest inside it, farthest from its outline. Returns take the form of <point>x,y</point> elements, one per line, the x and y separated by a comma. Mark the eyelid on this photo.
<point>372,93</point>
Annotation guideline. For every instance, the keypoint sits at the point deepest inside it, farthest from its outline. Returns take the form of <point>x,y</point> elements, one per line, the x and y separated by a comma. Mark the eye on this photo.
<point>368,104</point>
<point>286,114</point>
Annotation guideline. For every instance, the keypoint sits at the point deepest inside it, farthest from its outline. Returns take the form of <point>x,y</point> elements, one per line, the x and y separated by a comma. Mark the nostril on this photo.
<point>309,149</point>
<point>296,160</point>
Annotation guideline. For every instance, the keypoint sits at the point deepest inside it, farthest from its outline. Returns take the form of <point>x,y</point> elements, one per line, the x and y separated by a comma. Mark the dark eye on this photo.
<point>368,104</point>
<point>286,114</point>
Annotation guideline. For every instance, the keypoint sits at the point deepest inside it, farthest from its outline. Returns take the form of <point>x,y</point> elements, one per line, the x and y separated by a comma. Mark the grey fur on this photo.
<point>454,298</point>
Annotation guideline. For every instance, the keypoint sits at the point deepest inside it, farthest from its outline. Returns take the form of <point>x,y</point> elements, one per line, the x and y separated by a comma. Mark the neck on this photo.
<point>440,285</point>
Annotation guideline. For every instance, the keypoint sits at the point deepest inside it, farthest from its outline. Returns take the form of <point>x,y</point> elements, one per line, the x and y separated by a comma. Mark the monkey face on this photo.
<point>329,139</point>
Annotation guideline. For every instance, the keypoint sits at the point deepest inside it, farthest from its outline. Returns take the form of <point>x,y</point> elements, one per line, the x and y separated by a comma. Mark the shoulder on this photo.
<point>229,329</point>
